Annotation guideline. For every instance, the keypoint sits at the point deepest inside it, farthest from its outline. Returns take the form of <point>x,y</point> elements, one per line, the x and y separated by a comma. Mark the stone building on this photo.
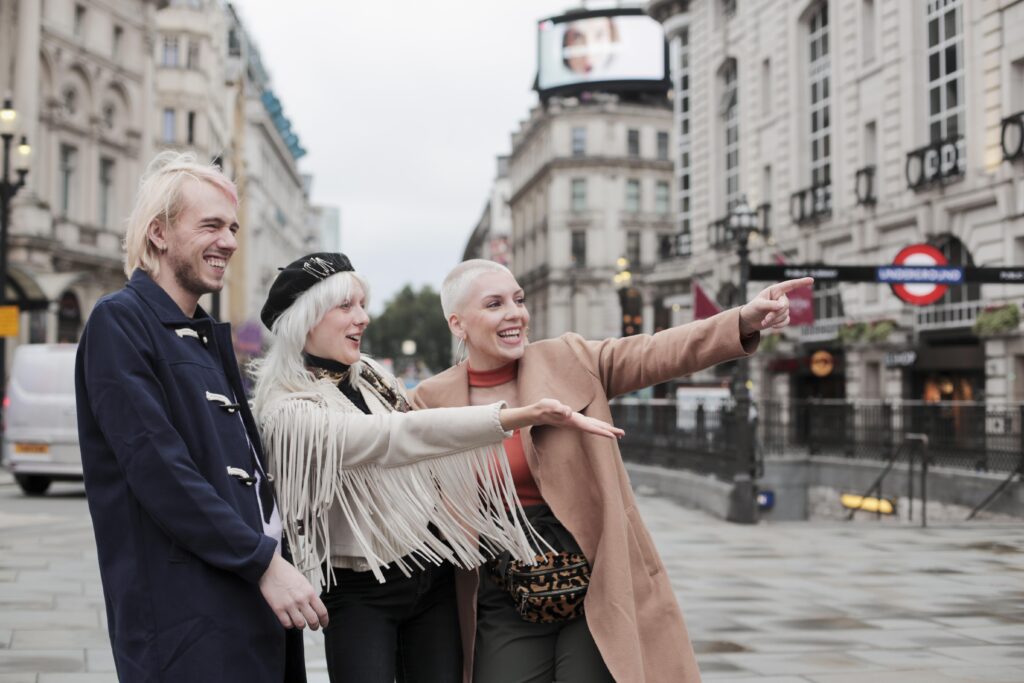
<point>856,128</point>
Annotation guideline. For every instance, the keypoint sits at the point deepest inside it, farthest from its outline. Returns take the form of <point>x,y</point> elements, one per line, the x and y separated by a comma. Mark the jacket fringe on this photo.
<point>468,497</point>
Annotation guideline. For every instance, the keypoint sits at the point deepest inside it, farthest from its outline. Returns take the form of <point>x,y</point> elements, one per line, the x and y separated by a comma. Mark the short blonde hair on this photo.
<point>457,283</point>
<point>160,198</point>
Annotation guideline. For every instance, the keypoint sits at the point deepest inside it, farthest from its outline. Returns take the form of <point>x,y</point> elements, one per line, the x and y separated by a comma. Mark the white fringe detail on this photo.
<point>469,496</point>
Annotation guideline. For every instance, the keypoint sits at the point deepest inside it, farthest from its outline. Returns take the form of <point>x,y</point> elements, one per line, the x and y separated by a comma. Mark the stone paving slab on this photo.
<point>821,602</point>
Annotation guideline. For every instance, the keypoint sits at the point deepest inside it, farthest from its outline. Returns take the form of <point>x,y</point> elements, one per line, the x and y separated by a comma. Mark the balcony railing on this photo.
<point>938,162</point>
<point>722,236</point>
<point>1012,137</point>
<point>867,192</point>
<point>949,316</point>
<point>811,204</point>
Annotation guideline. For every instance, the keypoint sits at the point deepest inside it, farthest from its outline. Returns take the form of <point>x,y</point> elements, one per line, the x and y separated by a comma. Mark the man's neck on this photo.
<point>187,301</point>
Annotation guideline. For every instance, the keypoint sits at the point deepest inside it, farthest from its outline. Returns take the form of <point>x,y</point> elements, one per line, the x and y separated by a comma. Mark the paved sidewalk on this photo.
<point>781,603</point>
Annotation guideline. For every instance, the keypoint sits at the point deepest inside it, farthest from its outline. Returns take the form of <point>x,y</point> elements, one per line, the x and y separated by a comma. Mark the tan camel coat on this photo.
<point>630,608</point>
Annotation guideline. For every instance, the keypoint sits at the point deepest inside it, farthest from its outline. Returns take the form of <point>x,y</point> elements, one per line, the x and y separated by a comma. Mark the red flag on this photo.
<point>703,305</point>
<point>801,306</point>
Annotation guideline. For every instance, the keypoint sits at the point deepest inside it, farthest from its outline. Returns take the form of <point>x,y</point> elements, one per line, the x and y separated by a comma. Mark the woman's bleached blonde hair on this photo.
<point>161,198</point>
<point>458,283</point>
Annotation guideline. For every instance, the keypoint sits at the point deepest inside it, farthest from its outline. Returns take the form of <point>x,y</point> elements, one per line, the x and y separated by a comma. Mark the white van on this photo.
<point>41,435</point>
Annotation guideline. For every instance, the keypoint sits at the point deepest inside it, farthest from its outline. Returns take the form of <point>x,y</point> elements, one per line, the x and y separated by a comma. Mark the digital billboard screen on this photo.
<point>615,47</point>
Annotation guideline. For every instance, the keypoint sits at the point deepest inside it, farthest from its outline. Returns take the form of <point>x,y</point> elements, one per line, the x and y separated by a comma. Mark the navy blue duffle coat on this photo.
<point>180,540</point>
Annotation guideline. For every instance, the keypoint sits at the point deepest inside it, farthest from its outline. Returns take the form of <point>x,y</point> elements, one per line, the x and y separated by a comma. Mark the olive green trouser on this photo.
<point>510,650</point>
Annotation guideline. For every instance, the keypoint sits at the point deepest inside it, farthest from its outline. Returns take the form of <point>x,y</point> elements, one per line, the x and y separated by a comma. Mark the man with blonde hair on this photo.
<point>187,529</point>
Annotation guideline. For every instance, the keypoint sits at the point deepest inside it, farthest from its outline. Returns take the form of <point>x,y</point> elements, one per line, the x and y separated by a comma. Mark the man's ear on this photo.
<point>156,233</point>
<point>455,325</point>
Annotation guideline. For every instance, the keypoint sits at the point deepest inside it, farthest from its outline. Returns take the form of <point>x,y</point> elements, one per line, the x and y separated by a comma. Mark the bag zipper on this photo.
<point>549,571</point>
<point>548,594</point>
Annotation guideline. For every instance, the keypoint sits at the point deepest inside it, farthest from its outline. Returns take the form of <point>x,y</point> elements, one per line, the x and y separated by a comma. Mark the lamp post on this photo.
<point>8,188</point>
<point>743,506</point>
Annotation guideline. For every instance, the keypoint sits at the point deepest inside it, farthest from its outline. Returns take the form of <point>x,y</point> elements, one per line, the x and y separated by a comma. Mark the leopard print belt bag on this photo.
<point>549,591</point>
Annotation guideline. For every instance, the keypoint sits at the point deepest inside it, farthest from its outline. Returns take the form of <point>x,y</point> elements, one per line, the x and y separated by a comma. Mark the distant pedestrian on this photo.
<point>187,529</point>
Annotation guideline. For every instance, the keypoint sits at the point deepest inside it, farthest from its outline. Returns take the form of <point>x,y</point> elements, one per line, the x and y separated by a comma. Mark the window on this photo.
<point>579,194</point>
<point>662,145</point>
<point>819,67</point>
<point>170,51</point>
<point>69,101</point>
<point>190,130</point>
<point>115,42</point>
<point>633,142</point>
<point>579,141</point>
<point>106,191</point>
<point>870,144</point>
<point>168,129</point>
<point>633,248</point>
<point>872,380</point>
<point>729,114</point>
<point>945,70</point>
<point>68,161</point>
<point>79,25</point>
<point>683,169</point>
<point>109,116</point>
<point>868,30</point>
<point>192,59</point>
<point>579,248</point>
<point>766,87</point>
<point>661,203</point>
<point>633,195</point>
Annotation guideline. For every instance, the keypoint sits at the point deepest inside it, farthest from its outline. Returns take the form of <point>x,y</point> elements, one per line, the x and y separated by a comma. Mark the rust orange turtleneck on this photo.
<point>526,487</point>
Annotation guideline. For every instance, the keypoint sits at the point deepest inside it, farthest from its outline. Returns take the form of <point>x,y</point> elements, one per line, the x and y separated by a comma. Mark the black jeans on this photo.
<point>404,630</point>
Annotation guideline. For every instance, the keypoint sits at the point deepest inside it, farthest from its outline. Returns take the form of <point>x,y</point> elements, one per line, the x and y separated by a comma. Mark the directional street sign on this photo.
<point>889,274</point>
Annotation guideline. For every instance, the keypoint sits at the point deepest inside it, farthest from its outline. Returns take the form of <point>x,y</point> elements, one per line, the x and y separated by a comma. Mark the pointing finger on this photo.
<point>781,288</point>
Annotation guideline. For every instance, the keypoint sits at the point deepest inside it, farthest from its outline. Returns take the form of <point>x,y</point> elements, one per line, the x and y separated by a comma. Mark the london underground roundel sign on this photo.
<point>919,293</point>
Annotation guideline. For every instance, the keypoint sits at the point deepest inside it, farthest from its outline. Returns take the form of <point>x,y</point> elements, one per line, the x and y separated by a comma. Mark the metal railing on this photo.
<point>701,436</point>
<point>949,316</point>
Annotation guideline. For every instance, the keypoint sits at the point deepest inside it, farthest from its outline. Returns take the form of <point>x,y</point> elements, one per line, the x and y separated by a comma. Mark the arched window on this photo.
<point>69,318</point>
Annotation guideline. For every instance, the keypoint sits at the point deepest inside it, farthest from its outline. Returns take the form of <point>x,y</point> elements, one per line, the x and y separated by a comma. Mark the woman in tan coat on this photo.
<point>632,630</point>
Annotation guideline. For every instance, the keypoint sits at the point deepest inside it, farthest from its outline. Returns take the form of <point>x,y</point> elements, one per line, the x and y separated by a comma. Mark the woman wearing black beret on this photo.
<point>379,503</point>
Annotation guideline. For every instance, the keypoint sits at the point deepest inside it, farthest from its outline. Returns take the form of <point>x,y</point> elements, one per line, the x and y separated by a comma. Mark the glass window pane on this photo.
<point>952,130</point>
<point>936,105</point>
<point>933,32</point>
<point>935,131</point>
<point>950,23</point>
<point>951,94</point>
<point>951,60</point>
<point>933,67</point>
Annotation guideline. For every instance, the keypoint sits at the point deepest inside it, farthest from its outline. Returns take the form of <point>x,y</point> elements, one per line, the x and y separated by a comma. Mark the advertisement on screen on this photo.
<point>591,48</point>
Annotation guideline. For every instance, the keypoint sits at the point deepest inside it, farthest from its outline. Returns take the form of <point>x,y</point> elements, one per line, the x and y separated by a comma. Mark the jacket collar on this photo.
<point>166,310</point>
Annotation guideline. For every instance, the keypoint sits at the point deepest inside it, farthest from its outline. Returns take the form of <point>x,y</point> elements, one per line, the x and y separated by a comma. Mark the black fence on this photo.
<point>701,436</point>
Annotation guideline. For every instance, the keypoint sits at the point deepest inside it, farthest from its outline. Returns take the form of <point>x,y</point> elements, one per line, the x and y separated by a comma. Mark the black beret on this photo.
<point>296,278</point>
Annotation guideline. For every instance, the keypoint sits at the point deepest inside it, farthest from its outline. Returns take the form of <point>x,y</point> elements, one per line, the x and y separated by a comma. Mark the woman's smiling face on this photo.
<point>338,334</point>
<point>493,320</point>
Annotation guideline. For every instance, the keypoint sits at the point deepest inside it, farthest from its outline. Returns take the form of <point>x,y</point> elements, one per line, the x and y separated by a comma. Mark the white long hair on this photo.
<point>282,367</point>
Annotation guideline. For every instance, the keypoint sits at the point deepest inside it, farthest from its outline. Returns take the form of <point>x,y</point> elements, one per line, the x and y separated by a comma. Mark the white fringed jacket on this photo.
<point>362,490</point>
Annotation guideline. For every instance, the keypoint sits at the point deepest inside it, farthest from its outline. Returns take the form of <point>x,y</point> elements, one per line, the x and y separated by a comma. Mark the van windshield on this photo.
<point>45,371</point>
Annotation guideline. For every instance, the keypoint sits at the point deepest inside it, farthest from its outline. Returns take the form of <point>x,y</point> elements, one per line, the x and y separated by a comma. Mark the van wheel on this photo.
<point>32,484</point>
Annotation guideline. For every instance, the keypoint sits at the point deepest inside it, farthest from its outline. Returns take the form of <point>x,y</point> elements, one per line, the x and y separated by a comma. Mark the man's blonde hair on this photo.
<point>161,198</point>
<point>457,283</point>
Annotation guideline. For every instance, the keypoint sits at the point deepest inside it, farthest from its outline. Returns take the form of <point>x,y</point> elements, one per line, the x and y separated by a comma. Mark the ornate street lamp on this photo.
<point>743,506</point>
<point>9,188</point>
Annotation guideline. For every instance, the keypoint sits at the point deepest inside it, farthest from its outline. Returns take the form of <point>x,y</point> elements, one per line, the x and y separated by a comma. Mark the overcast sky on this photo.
<point>402,106</point>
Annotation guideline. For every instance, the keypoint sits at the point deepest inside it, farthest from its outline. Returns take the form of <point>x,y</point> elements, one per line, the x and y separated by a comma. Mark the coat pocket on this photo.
<point>642,539</point>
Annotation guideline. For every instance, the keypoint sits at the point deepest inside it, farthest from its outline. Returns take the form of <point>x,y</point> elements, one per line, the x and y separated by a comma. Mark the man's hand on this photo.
<point>291,596</point>
<point>770,308</point>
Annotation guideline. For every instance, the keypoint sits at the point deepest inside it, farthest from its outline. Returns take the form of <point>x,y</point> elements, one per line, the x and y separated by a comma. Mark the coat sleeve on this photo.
<point>630,363</point>
<point>384,439</point>
<point>128,403</point>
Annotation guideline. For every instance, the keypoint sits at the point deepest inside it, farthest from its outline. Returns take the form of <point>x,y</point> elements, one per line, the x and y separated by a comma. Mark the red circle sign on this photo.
<point>923,293</point>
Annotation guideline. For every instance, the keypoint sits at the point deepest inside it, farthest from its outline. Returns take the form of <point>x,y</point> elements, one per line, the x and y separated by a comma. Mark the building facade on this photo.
<point>99,88</point>
<point>81,80</point>
<point>856,128</point>
<point>591,188</point>
<point>492,233</point>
